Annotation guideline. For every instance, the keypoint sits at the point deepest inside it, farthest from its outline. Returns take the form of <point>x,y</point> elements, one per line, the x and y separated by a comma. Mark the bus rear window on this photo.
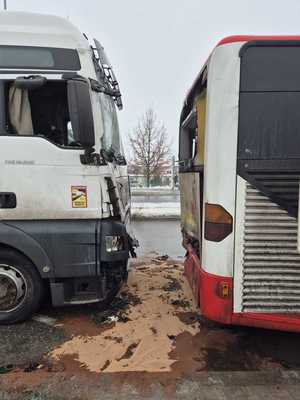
<point>26,57</point>
<point>269,118</point>
<point>270,68</point>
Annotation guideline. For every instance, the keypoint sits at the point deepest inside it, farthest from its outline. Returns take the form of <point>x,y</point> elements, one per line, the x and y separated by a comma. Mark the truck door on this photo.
<point>56,196</point>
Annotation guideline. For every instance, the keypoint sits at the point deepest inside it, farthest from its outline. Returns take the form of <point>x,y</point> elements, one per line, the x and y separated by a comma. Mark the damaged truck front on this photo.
<point>64,190</point>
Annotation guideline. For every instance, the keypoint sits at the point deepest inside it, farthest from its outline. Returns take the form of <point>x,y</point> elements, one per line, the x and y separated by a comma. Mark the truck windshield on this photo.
<point>111,135</point>
<point>39,58</point>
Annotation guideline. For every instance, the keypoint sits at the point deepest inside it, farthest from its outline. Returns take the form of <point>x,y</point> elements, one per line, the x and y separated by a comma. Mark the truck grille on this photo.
<point>271,262</point>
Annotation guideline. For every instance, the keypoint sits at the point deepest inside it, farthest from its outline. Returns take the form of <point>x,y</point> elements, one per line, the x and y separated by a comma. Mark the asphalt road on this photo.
<point>159,237</point>
<point>218,363</point>
<point>215,362</point>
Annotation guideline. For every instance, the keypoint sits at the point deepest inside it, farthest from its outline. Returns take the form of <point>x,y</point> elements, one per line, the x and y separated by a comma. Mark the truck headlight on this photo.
<point>114,243</point>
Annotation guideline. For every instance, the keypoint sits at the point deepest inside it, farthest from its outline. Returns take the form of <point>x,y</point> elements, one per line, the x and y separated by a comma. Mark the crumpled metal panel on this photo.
<point>190,203</point>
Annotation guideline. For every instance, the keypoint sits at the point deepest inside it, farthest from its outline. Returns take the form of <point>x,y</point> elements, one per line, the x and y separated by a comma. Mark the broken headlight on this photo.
<point>114,243</point>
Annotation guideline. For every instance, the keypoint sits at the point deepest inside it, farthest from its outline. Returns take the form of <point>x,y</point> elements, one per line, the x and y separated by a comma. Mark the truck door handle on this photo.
<point>8,200</point>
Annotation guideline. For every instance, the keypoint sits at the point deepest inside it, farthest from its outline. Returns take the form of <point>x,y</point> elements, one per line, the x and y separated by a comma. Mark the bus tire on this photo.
<point>21,287</point>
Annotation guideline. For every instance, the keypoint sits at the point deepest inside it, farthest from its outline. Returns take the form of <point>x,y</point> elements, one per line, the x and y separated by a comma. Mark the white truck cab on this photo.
<point>64,190</point>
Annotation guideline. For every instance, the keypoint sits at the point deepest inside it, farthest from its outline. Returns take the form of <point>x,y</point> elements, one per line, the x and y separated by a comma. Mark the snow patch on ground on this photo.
<point>155,210</point>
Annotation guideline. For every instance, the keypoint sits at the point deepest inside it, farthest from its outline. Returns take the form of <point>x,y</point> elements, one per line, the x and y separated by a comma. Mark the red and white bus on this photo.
<point>239,179</point>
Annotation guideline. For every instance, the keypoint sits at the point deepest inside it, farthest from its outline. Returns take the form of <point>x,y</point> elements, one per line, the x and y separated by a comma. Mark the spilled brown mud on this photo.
<point>151,335</point>
<point>150,293</point>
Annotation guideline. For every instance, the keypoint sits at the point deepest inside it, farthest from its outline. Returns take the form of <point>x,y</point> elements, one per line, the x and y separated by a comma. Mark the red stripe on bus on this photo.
<point>205,287</point>
<point>247,38</point>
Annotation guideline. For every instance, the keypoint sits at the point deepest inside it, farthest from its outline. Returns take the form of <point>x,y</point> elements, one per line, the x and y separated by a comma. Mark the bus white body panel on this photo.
<point>220,150</point>
<point>244,267</point>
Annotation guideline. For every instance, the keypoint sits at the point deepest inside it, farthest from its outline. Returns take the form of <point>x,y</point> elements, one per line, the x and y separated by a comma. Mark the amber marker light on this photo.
<point>223,290</point>
<point>218,223</point>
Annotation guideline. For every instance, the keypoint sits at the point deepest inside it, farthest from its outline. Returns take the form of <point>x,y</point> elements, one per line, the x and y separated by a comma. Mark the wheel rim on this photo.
<point>13,288</point>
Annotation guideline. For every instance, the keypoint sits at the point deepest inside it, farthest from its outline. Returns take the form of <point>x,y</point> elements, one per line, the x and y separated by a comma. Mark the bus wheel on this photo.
<point>21,287</point>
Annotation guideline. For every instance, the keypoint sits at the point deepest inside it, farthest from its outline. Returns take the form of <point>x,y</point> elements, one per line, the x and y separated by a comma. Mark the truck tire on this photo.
<point>21,287</point>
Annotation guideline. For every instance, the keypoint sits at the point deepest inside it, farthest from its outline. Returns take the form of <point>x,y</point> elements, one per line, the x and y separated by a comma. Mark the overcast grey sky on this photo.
<point>158,46</point>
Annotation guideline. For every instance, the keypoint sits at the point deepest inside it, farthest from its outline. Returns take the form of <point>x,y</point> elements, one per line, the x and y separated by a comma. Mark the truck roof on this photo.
<point>31,29</point>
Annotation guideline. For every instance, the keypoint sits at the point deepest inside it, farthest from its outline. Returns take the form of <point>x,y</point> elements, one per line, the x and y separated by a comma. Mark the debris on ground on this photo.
<point>129,351</point>
<point>45,319</point>
<point>181,303</point>
<point>160,259</point>
<point>172,285</point>
<point>145,344</point>
<point>6,368</point>
<point>25,368</point>
<point>151,334</point>
<point>117,310</point>
<point>165,257</point>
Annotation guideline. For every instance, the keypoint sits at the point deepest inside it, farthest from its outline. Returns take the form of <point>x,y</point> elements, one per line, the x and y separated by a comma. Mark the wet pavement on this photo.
<point>159,237</point>
<point>151,344</point>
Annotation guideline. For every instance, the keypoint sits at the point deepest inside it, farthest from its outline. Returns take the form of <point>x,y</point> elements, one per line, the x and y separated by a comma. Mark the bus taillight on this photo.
<point>218,223</point>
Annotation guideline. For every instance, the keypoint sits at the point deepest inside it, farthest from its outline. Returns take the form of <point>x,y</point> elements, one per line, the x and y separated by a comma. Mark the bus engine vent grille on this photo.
<point>271,262</point>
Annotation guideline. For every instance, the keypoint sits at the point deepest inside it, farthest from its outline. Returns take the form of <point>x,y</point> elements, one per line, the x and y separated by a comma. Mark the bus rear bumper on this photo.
<point>217,304</point>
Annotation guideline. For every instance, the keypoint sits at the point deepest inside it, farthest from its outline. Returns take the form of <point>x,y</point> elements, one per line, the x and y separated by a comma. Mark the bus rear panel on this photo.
<point>242,159</point>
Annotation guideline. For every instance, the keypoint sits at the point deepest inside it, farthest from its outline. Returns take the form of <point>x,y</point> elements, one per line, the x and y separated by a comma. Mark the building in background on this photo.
<point>168,177</point>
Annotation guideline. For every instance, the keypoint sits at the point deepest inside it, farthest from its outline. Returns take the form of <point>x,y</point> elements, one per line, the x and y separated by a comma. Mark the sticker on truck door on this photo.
<point>79,196</point>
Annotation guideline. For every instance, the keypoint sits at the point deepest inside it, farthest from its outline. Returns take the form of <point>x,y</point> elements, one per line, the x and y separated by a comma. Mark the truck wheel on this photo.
<point>21,287</point>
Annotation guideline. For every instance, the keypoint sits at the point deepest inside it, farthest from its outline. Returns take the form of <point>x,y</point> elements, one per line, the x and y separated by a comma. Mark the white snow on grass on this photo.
<point>151,188</point>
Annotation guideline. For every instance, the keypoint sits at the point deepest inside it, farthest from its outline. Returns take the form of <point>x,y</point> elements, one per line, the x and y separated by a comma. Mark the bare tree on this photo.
<point>150,147</point>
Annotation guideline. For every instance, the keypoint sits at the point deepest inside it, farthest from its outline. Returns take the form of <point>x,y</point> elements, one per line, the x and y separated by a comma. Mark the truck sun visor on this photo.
<point>34,57</point>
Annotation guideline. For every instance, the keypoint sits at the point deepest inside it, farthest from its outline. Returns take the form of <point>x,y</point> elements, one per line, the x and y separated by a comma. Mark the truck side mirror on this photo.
<point>81,114</point>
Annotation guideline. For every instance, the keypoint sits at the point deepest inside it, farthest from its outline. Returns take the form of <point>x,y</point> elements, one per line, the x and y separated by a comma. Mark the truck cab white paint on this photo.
<point>65,241</point>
